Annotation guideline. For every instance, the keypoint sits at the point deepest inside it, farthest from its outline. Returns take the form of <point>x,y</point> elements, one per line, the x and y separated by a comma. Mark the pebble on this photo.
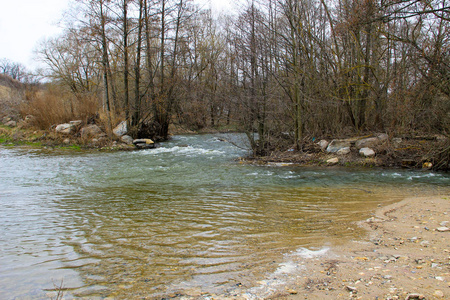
<point>443,229</point>
<point>438,294</point>
<point>425,243</point>
<point>351,288</point>
<point>415,296</point>
<point>291,291</point>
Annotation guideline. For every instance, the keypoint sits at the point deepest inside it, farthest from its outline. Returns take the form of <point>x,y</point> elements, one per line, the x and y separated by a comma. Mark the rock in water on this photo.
<point>144,143</point>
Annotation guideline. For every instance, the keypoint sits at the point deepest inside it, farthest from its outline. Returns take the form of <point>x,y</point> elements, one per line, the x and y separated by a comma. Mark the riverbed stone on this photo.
<point>121,129</point>
<point>371,141</point>
<point>443,229</point>
<point>323,144</point>
<point>65,128</point>
<point>91,131</point>
<point>343,151</point>
<point>367,142</point>
<point>333,161</point>
<point>127,139</point>
<point>336,145</point>
<point>366,152</point>
<point>438,294</point>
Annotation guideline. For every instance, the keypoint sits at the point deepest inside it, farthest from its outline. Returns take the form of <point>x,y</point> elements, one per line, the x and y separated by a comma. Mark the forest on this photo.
<point>282,71</point>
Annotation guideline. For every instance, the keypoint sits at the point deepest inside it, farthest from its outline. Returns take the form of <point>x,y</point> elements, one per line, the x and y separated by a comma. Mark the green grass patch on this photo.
<point>71,147</point>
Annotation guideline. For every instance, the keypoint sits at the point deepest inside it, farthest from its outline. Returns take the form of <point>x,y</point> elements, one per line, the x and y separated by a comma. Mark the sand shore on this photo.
<point>406,255</point>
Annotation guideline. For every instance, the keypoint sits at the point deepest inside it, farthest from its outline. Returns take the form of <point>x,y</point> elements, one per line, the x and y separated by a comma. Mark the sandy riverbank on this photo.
<point>406,255</point>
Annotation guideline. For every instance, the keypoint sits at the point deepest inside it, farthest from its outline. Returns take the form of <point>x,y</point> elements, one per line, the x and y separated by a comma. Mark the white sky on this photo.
<point>23,23</point>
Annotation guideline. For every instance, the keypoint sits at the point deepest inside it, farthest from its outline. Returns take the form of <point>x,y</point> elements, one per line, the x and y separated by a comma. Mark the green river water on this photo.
<point>184,217</point>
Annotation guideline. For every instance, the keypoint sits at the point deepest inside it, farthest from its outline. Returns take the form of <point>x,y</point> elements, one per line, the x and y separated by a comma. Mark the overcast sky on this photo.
<point>23,23</point>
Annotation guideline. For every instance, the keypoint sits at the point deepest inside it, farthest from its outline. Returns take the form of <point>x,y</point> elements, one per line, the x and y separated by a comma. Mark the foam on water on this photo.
<point>286,272</point>
<point>177,150</point>
<point>308,254</point>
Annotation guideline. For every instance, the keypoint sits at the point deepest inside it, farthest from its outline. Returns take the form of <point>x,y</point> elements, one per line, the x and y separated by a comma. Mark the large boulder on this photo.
<point>91,131</point>
<point>65,128</point>
<point>121,129</point>
<point>336,145</point>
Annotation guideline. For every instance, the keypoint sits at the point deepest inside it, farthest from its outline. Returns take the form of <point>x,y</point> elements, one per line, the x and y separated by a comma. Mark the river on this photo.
<point>185,218</point>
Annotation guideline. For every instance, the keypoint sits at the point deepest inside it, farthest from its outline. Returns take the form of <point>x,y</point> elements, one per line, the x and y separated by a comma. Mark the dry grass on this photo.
<point>52,107</point>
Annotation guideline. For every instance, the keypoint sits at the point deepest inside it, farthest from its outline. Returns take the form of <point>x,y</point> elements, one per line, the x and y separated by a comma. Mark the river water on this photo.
<point>185,218</point>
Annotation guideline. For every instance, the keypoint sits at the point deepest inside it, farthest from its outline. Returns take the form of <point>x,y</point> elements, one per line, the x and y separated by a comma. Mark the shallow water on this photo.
<point>182,218</point>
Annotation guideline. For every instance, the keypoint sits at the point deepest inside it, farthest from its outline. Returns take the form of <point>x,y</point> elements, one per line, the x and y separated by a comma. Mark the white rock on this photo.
<point>336,145</point>
<point>76,123</point>
<point>343,151</point>
<point>443,229</point>
<point>121,129</point>
<point>65,128</point>
<point>323,144</point>
<point>333,161</point>
<point>438,294</point>
<point>366,152</point>
<point>351,288</point>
